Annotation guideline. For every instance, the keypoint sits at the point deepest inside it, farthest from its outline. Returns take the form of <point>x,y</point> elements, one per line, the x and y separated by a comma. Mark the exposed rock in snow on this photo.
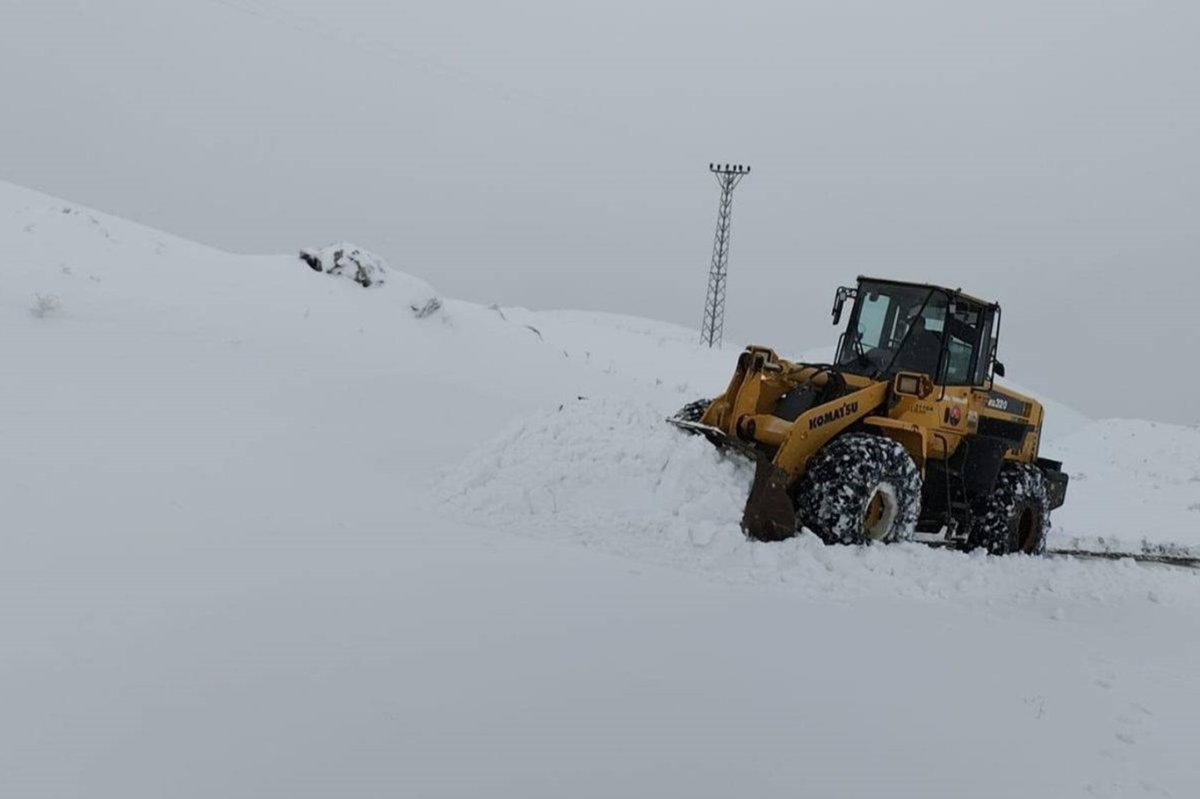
<point>344,259</point>
<point>370,270</point>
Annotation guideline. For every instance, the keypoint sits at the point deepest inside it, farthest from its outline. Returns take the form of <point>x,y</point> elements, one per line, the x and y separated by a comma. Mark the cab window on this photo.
<point>987,338</point>
<point>967,327</point>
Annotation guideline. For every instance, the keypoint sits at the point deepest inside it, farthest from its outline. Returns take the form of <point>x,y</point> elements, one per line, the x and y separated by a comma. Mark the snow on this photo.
<point>1134,485</point>
<point>371,271</point>
<point>610,475</point>
<point>1060,420</point>
<point>270,534</point>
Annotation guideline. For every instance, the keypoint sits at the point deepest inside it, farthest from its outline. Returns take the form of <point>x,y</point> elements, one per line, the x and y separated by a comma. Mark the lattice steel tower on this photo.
<point>728,176</point>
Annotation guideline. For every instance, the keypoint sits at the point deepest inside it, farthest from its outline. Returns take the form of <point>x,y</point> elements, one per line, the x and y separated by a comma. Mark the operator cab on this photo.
<point>912,327</point>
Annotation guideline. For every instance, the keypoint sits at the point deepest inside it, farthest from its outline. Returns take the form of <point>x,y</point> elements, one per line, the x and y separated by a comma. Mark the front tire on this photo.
<point>860,489</point>
<point>1015,517</point>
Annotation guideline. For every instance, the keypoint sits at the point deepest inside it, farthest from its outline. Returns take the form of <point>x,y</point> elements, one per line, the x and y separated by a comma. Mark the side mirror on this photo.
<point>839,300</point>
<point>999,369</point>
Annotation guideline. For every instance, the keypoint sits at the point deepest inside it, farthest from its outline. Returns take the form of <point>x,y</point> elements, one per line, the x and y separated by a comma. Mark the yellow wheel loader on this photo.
<point>905,432</point>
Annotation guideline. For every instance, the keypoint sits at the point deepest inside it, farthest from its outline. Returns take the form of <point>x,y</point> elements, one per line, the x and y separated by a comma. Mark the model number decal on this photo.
<point>1006,404</point>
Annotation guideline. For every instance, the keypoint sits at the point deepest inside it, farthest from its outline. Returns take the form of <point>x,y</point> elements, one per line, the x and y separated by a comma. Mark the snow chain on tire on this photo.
<point>1015,517</point>
<point>860,488</point>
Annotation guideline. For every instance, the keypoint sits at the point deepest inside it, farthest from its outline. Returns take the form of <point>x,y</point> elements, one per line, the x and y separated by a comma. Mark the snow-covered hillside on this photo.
<point>270,533</point>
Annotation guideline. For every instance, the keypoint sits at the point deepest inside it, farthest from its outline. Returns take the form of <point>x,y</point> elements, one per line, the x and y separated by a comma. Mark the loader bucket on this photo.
<point>769,514</point>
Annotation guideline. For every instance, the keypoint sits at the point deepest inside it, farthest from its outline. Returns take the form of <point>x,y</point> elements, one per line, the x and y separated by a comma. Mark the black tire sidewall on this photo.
<point>1020,488</point>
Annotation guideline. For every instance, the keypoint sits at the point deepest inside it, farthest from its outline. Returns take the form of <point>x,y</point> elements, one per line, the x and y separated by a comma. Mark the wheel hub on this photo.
<point>880,513</point>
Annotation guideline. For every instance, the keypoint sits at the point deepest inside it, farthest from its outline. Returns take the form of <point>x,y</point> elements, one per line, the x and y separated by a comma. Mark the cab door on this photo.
<point>965,366</point>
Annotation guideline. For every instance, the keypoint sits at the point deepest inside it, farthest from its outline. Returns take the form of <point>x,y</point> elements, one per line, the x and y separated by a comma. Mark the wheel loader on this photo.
<point>905,434</point>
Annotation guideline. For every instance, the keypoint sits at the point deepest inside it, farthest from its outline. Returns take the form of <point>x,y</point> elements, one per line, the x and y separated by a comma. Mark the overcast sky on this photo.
<point>554,155</point>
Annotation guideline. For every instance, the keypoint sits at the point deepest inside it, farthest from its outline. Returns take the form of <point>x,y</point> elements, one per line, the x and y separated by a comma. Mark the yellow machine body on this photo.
<point>929,423</point>
<point>930,418</point>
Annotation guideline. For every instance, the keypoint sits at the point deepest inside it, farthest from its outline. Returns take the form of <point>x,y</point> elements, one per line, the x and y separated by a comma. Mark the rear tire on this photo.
<point>860,489</point>
<point>1015,517</point>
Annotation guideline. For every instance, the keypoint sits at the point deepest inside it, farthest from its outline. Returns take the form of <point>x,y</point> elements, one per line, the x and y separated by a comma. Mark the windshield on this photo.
<point>894,328</point>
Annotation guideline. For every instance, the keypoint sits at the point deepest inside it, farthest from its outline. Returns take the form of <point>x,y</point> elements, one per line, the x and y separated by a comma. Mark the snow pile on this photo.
<point>606,471</point>
<point>367,270</point>
<point>610,474</point>
<point>1135,486</point>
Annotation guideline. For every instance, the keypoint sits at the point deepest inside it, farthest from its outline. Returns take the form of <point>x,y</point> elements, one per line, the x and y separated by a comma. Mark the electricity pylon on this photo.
<point>728,176</point>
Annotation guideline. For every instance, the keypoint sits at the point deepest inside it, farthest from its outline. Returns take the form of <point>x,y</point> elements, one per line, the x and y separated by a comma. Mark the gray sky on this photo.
<point>554,154</point>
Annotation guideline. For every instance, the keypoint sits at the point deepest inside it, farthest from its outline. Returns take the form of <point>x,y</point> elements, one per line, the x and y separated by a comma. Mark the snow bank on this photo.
<point>1135,486</point>
<point>650,354</point>
<point>606,470</point>
<point>610,474</point>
